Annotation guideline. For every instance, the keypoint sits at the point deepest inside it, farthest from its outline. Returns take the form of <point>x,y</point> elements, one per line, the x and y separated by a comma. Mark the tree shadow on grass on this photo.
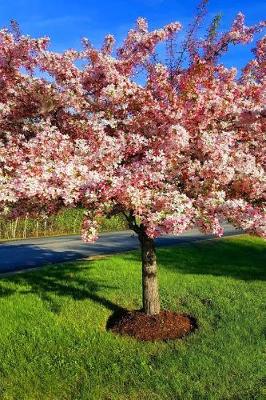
<point>244,258</point>
<point>241,259</point>
<point>59,280</point>
<point>62,279</point>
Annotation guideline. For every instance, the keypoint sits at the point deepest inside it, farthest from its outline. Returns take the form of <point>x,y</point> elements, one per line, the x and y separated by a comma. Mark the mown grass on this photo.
<point>54,344</point>
<point>66,222</point>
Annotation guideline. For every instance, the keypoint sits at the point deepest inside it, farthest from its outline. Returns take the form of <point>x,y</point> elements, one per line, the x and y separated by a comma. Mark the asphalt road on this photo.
<point>30,253</point>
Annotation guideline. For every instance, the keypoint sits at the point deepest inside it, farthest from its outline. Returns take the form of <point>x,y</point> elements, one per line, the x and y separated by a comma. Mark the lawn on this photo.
<point>54,344</point>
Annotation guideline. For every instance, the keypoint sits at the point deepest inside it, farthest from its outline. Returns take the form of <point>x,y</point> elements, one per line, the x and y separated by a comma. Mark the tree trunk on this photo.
<point>150,293</point>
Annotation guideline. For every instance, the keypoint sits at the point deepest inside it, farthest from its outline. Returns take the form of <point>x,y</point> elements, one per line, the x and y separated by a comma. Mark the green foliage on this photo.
<point>54,345</point>
<point>66,222</point>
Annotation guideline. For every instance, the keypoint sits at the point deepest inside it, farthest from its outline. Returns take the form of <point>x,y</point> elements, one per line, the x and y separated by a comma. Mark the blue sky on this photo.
<point>67,21</point>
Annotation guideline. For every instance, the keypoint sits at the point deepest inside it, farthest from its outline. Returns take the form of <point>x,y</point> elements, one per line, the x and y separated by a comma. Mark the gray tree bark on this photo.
<point>150,292</point>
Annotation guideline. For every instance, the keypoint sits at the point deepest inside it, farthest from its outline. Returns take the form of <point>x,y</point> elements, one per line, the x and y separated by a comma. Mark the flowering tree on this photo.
<point>183,149</point>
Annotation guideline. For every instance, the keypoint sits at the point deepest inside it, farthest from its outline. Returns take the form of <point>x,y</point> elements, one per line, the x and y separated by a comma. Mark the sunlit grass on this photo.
<point>54,345</point>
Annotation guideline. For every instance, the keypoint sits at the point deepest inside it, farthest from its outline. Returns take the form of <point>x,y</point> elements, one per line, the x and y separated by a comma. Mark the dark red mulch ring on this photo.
<point>164,326</point>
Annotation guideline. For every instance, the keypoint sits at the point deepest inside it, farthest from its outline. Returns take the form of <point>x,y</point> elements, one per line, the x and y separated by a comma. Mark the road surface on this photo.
<point>30,253</point>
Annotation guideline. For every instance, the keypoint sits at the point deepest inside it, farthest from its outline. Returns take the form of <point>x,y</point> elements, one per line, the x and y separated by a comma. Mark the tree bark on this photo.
<point>150,292</point>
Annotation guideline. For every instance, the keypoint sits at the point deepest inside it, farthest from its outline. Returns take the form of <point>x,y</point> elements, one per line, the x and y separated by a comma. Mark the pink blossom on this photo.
<point>169,155</point>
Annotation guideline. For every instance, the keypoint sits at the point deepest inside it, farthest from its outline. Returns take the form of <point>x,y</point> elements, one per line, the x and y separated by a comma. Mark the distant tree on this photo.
<point>186,148</point>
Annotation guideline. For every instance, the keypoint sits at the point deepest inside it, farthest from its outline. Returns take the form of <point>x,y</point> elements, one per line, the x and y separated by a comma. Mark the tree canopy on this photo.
<point>185,148</point>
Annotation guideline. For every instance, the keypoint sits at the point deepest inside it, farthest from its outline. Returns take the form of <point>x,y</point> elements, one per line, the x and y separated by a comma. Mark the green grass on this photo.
<point>54,345</point>
<point>66,222</point>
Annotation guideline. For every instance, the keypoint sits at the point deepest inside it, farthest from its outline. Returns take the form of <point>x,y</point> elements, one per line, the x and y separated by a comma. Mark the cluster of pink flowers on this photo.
<point>172,153</point>
<point>239,33</point>
<point>89,232</point>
